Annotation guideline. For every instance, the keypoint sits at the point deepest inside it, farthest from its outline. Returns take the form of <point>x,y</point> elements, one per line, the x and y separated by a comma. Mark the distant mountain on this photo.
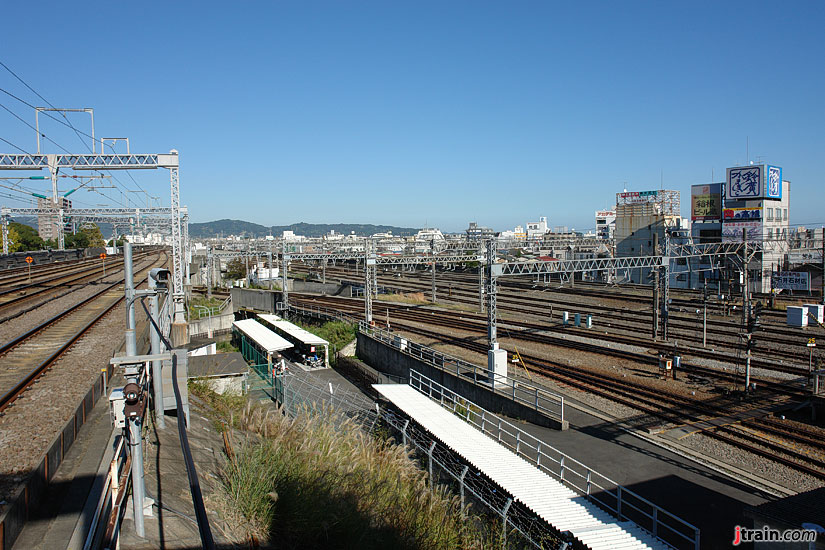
<point>249,229</point>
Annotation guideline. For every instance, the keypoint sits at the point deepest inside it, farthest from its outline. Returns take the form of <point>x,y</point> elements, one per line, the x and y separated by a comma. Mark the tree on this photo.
<point>236,269</point>
<point>27,237</point>
<point>14,239</point>
<point>92,231</point>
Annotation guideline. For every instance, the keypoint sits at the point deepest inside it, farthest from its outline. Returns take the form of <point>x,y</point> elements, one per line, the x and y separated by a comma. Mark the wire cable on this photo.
<point>194,485</point>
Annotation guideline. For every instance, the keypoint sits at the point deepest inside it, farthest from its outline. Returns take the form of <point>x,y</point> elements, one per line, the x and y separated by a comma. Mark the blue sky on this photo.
<point>409,113</point>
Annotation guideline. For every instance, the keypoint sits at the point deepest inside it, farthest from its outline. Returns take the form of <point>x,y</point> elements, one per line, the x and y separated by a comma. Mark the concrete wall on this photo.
<point>259,300</point>
<point>388,360</point>
<point>219,322</point>
<point>298,285</point>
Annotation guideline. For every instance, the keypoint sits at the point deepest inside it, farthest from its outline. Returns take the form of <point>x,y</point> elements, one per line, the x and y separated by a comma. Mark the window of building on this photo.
<point>778,213</point>
<point>769,214</point>
<point>770,232</point>
<point>785,215</point>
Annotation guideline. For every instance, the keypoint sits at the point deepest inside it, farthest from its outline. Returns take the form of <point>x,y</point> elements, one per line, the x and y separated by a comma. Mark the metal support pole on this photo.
<point>664,285</point>
<point>823,265</point>
<point>269,258</point>
<point>746,307</point>
<point>491,294</point>
<point>209,268</point>
<point>504,522</point>
<point>481,287</point>
<point>129,283</point>
<point>138,490</point>
<point>432,258</point>
<point>5,223</point>
<point>285,279</point>
<point>461,487</point>
<point>154,339</point>
<point>655,289</point>
<point>705,315</point>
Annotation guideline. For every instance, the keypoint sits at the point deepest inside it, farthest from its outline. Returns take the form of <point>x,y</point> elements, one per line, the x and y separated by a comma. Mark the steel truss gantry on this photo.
<point>54,163</point>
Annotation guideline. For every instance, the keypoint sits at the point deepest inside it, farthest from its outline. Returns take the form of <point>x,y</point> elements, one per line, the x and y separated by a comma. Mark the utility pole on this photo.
<point>655,289</point>
<point>665,284</point>
<point>823,265</point>
<point>209,268</point>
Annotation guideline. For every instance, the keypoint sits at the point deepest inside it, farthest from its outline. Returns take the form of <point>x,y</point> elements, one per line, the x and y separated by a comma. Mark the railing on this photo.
<point>619,501</point>
<point>165,320</point>
<point>324,313</point>
<point>538,399</point>
<point>111,499</point>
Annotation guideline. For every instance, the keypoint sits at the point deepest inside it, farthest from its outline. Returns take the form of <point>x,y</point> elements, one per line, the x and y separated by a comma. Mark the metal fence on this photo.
<point>545,402</point>
<point>607,494</point>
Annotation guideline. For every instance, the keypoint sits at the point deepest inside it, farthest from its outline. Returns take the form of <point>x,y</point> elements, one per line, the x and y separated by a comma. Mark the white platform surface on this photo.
<point>560,506</point>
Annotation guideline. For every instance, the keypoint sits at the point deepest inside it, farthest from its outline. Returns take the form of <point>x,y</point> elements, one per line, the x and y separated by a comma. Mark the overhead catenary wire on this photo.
<point>68,124</point>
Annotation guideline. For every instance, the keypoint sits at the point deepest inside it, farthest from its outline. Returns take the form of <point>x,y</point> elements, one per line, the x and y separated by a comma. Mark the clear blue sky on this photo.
<point>438,112</point>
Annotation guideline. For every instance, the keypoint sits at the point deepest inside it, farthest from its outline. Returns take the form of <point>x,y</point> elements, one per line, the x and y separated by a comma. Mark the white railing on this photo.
<point>545,402</point>
<point>619,501</point>
<point>109,505</point>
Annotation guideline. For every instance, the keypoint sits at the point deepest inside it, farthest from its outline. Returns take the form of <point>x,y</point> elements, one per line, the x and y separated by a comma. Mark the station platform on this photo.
<point>558,505</point>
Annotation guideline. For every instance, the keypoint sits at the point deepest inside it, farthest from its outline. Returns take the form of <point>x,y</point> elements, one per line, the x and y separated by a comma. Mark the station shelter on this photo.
<point>305,342</point>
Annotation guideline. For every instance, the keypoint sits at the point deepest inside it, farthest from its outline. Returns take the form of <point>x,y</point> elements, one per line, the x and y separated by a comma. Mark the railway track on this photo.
<point>801,449</point>
<point>778,347</point>
<point>32,295</point>
<point>27,357</point>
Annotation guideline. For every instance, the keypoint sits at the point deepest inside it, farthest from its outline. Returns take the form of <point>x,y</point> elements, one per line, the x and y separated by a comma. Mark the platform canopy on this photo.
<point>262,336</point>
<point>294,331</point>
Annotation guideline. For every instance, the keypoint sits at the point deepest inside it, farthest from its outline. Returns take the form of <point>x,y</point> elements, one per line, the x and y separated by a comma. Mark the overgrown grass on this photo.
<point>202,301</point>
<point>337,333</point>
<point>319,481</point>
<point>226,347</point>
<point>415,298</point>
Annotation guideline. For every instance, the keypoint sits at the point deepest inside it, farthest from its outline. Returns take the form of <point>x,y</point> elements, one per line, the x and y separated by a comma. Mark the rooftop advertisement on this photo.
<point>705,202</point>
<point>732,231</point>
<point>760,181</point>
<point>742,214</point>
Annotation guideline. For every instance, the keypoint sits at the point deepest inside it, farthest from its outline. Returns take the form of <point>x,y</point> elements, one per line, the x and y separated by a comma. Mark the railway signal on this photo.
<point>811,346</point>
<point>29,261</point>
<point>103,259</point>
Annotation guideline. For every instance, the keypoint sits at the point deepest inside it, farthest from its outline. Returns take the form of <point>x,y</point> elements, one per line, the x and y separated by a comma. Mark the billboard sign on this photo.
<point>706,202</point>
<point>774,190</point>
<point>744,182</point>
<point>790,280</point>
<point>636,197</point>
<point>760,181</point>
<point>743,214</point>
<point>732,231</point>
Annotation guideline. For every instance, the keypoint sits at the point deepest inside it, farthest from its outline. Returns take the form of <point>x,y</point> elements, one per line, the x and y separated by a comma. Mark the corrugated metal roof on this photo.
<point>560,506</point>
<point>293,330</point>
<point>261,335</point>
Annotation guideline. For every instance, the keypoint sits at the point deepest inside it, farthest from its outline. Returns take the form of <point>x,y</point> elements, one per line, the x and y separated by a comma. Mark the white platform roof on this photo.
<point>268,340</point>
<point>293,330</point>
<point>551,500</point>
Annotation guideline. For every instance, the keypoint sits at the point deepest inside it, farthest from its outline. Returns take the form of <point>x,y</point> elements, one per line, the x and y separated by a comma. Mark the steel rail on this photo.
<point>8,397</point>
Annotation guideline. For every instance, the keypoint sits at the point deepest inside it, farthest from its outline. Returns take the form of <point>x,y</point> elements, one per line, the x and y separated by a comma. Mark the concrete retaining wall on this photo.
<point>259,300</point>
<point>222,323</point>
<point>298,285</point>
<point>389,360</point>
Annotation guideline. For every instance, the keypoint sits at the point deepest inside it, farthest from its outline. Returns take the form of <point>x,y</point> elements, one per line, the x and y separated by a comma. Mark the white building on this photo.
<point>605,223</point>
<point>537,230</point>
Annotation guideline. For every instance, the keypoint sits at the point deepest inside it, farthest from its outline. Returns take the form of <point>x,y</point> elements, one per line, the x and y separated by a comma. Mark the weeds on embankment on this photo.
<point>319,481</point>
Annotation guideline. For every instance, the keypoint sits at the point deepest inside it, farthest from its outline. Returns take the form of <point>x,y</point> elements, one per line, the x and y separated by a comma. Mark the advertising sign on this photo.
<point>760,181</point>
<point>732,231</point>
<point>706,202</point>
<point>744,182</point>
<point>774,183</point>
<point>636,197</point>
<point>791,280</point>
<point>744,214</point>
